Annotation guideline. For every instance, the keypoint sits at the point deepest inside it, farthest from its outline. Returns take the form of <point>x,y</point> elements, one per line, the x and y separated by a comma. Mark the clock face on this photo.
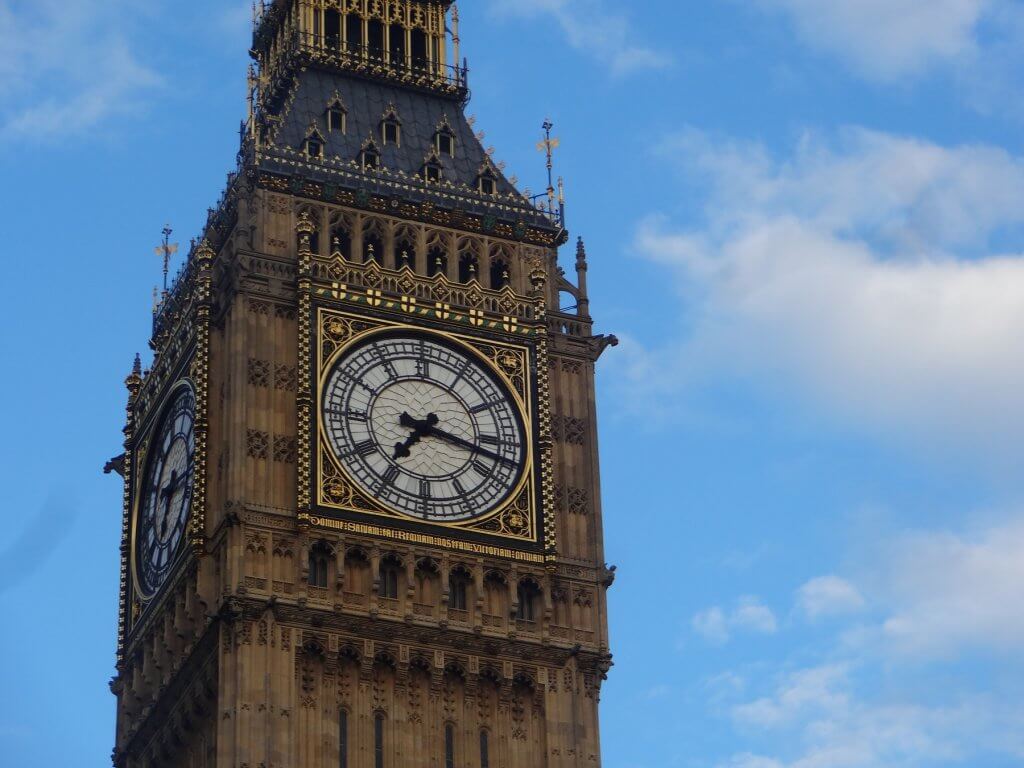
<point>424,427</point>
<point>166,499</point>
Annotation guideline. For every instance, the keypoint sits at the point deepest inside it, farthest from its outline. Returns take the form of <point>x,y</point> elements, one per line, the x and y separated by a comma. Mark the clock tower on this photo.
<point>362,519</point>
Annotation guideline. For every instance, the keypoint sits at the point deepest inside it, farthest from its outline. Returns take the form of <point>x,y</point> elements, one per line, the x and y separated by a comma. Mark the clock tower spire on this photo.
<point>362,519</point>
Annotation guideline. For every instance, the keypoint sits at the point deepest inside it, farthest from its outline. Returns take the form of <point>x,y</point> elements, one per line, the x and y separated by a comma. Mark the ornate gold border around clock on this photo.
<point>200,375</point>
<point>337,331</point>
<point>142,453</point>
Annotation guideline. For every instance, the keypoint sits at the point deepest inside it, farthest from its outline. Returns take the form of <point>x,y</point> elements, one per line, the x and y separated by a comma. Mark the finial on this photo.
<point>583,300</point>
<point>581,254</point>
<point>134,380</point>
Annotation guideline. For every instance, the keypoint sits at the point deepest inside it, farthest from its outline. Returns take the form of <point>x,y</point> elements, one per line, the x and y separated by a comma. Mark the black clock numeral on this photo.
<point>388,478</point>
<point>385,361</point>
<point>482,469</point>
<point>482,407</point>
<point>490,439</point>
<point>356,415</point>
<point>425,490</point>
<point>462,500</point>
<point>364,448</point>
<point>461,371</point>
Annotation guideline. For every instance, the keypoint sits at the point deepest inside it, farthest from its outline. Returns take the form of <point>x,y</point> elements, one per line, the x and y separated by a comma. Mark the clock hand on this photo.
<point>419,430</point>
<point>456,440</point>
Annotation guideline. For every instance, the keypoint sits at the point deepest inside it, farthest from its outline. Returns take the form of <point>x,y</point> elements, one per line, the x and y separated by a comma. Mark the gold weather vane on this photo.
<point>548,145</point>
<point>166,249</point>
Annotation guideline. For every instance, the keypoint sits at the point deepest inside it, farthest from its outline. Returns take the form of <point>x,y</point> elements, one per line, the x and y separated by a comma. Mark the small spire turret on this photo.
<point>581,278</point>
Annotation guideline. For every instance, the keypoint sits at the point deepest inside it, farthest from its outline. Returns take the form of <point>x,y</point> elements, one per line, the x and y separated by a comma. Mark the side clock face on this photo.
<point>166,493</point>
<point>424,427</point>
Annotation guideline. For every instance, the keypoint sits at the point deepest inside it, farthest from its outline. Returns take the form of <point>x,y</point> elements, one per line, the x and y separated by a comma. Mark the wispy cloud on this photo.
<point>590,26</point>
<point>829,596</point>
<point>717,625</point>
<point>977,44</point>
<point>889,38</point>
<point>938,600</point>
<point>68,67</point>
<point>866,276</point>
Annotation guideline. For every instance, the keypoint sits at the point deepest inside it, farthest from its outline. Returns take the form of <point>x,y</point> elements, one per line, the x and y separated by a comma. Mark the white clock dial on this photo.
<point>166,499</point>
<point>424,427</point>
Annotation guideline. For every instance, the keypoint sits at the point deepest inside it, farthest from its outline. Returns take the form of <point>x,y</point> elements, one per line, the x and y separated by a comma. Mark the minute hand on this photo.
<point>456,440</point>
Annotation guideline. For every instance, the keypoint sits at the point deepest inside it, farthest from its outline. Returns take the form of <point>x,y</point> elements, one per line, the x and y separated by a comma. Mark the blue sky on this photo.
<point>805,223</point>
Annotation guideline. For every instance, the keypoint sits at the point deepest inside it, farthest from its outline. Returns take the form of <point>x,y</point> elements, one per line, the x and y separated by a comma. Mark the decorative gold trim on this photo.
<point>304,394</point>
<point>394,534</point>
<point>143,456</point>
<point>200,375</point>
<point>515,519</point>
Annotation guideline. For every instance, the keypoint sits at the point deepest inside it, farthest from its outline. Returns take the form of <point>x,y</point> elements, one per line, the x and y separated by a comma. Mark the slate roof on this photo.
<point>366,103</point>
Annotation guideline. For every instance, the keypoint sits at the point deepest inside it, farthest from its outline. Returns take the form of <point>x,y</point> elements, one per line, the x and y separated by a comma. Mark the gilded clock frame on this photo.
<point>515,524</point>
<point>142,465</point>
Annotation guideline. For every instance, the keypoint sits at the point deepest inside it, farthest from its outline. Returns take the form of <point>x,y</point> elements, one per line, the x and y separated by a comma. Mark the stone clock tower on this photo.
<point>362,520</point>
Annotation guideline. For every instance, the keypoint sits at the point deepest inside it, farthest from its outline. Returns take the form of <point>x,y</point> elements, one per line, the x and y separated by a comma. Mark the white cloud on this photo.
<point>952,593</point>
<point>814,689</point>
<point>862,275</point>
<point>68,67</point>
<point>716,626</point>
<point>823,722</point>
<point>590,27</point>
<point>829,596</point>
<point>945,601</point>
<point>712,625</point>
<point>889,38</point>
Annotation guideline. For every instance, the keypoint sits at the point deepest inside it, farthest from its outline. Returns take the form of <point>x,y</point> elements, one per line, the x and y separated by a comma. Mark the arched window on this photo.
<point>391,131</point>
<point>444,142</point>
<point>373,244</point>
<point>485,749</point>
<point>318,567</point>
<point>396,45</point>
<point>528,594</point>
<point>449,746</point>
<point>337,119</point>
<point>343,739</point>
<point>405,254</point>
<point>389,579</point>
<point>458,588</point>
<point>437,262</point>
<point>332,29</point>
<point>371,158</point>
<point>378,740</point>
<point>315,147</point>
<point>354,31</point>
<point>499,274</point>
<point>432,172</point>
<point>375,38</point>
<point>467,268</point>
<point>341,242</point>
<point>419,49</point>
<point>488,184</point>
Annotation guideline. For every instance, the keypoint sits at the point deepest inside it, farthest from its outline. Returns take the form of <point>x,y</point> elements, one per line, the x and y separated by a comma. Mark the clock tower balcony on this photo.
<point>399,42</point>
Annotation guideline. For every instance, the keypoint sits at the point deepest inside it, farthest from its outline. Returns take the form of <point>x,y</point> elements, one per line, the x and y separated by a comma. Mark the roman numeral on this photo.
<point>425,491</point>
<point>364,448</point>
<point>482,468</point>
<point>462,500</point>
<point>489,439</point>
<point>388,478</point>
<point>385,361</point>
<point>482,407</point>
